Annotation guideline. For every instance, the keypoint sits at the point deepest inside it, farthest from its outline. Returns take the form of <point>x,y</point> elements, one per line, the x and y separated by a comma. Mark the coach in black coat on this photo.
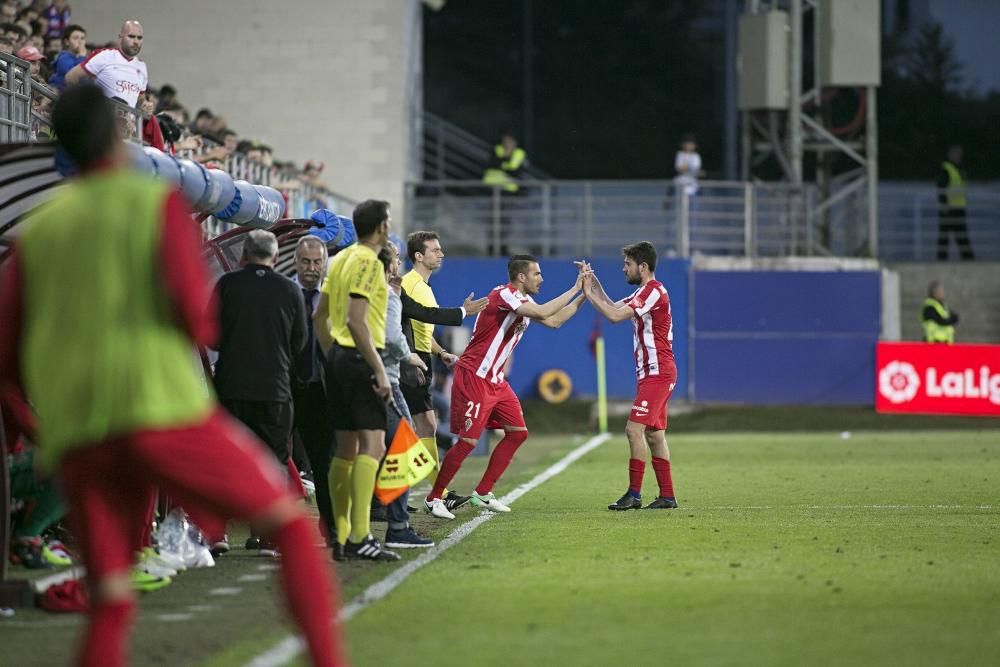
<point>263,331</point>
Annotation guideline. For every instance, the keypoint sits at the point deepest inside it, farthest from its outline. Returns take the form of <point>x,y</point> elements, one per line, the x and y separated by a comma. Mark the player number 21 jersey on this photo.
<point>497,331</point>
<point>653,331</point>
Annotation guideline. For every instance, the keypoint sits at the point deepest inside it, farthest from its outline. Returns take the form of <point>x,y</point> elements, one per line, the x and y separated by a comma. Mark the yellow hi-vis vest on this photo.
<point>956,186</point>
<point>934,332</point>
<point>501,176</point>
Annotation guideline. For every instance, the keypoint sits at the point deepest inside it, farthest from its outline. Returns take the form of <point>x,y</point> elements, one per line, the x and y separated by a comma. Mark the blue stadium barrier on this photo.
<point>785,337</point>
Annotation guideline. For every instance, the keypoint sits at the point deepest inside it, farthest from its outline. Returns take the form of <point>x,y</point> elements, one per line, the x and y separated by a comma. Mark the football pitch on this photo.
<point>789,548</point>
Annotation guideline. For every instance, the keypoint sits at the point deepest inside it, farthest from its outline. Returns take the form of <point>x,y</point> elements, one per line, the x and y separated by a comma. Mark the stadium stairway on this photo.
<point>971,288</point>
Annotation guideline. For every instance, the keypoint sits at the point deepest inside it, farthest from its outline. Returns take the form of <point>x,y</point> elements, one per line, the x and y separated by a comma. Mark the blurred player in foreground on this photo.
<point>649,309</point>
<point>116,257</point>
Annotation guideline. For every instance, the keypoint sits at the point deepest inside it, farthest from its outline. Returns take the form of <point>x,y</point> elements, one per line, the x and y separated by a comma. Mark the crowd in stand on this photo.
<point>58,52</point>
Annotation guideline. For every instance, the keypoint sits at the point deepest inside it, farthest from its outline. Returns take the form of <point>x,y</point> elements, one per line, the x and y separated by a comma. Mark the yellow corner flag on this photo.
<point>406,463</point>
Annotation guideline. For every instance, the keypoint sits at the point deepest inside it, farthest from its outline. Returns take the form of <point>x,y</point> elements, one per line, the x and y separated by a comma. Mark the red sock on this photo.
<point>449,467</point>
<point>107,630</point>
<point>666,482</point>
<point>500,459</point>
<point>310,592</point>
<point>636,469</point>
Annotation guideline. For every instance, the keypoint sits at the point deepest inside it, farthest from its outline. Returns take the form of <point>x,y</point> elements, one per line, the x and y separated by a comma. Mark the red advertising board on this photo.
<point>938,379</point>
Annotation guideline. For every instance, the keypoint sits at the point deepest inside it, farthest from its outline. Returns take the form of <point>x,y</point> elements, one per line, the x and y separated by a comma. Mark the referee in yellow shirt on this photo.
<point>350,326</point>
<point>425,253</point>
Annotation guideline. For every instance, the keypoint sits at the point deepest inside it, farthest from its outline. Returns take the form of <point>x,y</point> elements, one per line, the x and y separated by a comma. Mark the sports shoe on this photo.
<point>369,549</point>
<point>437,508</point>
<point>662,503</point>
<point>268,549</point>
<point>56,553</point>
<point>453,500</point>
<point>406,538</point>
<point>29,552</point>
<point>253,543</point>
<point>220,547</point>
<point>488,501</point>
<point>147,583</point>
<point>151,563</point>
<point>626,502</point>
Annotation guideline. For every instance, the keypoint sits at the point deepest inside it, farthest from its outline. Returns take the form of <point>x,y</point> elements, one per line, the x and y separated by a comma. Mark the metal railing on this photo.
<point>450,153</point>
<point>15,99</point>
<point>594,218</point>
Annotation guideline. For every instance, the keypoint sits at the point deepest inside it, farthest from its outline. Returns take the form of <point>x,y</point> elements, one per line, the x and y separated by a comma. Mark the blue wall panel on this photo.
<point>567,348</point>
<point>785,337</point>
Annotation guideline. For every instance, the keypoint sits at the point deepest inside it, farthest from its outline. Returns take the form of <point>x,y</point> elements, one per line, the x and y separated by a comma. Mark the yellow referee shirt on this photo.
<point>356,271</point>
<point>421,292</point>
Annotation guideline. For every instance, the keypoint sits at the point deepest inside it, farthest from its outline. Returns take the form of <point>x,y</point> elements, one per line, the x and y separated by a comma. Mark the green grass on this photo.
<point>789,549</point>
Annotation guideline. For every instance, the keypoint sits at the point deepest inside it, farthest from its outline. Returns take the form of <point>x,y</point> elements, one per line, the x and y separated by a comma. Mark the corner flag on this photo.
<point>406,463</point>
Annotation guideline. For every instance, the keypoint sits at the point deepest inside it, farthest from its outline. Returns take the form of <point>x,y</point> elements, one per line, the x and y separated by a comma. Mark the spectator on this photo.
<point>263,330</point>
<point>33,56</point>
<point>118,72</point>
<point>229,140</point>
<point>53,47</point>
<point>168,97</point>
<point>202,121</point>
<point>17,33</point>
<point>687,165</point>
<point>505,168</point>
<point>58,16</point>
<point>938,322</point>
<point>74,44</point>
<point>6,45</point>
<point>8,11</point>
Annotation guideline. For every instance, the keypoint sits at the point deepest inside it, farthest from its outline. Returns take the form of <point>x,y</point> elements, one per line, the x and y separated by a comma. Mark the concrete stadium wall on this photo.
<point>972,289</point>
<point>331,80</point>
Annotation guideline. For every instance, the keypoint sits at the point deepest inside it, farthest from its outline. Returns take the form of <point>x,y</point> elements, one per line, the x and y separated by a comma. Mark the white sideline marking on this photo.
<point>171,618</point>
<point>291,646</point>
<point>234,590</point>
<point>252,577</point>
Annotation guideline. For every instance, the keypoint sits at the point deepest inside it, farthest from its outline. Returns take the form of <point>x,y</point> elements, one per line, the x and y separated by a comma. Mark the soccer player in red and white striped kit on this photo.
<point>649,309</point>
<point>480,395</point>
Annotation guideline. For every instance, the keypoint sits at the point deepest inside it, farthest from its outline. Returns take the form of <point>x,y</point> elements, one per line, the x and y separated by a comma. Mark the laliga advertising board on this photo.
<point>938,379</point>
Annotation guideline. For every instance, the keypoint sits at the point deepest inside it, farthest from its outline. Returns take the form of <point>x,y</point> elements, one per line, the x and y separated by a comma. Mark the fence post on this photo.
<point>495,221</point>
<point>683,219</point>
<point>546,220</point>
<point>748,221</point>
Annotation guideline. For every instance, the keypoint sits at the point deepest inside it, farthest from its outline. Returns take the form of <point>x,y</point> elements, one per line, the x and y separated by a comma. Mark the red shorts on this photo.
<point>477,404</point>
<point>216,466</point>
<point>650,404</point>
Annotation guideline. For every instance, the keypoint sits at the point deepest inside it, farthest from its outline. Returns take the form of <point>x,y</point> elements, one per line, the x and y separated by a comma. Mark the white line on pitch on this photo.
<point>289,647</point>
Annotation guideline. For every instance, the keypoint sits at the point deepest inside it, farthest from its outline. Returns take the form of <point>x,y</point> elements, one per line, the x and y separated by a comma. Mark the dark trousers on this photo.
<point>952,222</point>
<point>271,421</point>
<point>314,430</point>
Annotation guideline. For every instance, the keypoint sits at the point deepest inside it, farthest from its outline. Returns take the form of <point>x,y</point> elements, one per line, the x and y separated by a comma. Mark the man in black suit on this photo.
<point>313,427</point>
<point>263,330</point>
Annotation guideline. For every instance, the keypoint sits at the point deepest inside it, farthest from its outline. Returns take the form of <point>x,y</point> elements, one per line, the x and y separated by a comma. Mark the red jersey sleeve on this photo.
<point>185,273</point>
<point>12,315</point>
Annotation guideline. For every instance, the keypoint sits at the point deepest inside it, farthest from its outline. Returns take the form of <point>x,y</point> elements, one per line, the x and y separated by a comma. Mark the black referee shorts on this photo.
<point>354,405</point>
<point>418,397</point>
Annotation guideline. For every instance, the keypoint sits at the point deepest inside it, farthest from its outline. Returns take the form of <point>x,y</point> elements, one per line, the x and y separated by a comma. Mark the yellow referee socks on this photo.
<point>340,496</point>
<point>362,487</point>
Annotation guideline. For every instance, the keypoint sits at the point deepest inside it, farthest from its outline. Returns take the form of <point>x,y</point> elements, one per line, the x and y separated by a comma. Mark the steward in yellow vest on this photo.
<point>506,164</point>
<point>937,320</point>
<point>951,206</point>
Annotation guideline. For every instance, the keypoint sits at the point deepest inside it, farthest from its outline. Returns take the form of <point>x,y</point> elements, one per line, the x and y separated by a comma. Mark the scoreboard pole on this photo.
<point>602,387</point>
